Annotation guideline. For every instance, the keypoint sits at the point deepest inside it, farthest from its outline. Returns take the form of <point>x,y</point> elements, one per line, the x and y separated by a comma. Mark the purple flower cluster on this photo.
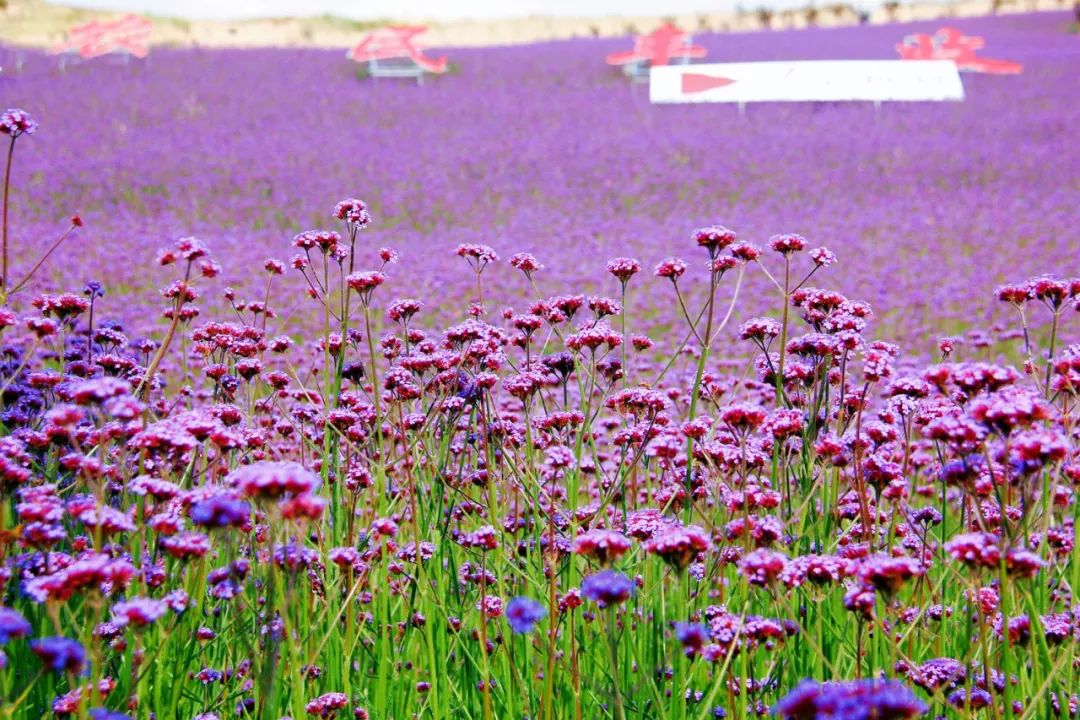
<point>608,588</point>
<point>861,700</point>
<point>523,613</point>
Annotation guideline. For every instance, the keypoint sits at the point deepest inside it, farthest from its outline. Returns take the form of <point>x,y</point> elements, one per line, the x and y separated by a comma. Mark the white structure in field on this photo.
<point>807,81</point>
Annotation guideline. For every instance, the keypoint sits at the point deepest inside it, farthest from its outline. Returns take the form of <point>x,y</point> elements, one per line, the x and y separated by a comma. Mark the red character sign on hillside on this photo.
<point>397,43</point>
<point>951,44</point>
<point>129,34</point>
<point>658,48</point>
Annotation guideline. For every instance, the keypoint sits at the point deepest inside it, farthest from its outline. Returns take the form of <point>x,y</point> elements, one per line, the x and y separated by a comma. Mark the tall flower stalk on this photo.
<point>14,123</point>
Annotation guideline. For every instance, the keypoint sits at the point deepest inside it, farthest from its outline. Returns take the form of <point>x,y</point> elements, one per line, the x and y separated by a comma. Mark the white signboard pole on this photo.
<point>807,81</point>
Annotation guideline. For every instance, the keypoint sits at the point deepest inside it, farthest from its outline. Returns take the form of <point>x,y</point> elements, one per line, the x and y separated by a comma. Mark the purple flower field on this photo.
<point>528,431</point>
<point>542,149</point>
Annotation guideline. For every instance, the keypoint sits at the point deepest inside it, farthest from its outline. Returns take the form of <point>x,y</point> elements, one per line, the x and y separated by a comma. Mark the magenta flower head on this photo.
<point>857,700</point>
<point>325,240</point>
<point>746,252</point>
<point>822,257</point>
<point>272,480</point>
<point>713,238</point>
<point>401,311</point>
<point>490,605</point>
<point>484,538</point>
<point>327,706</point>
<point>678,546</point>
<point>719,266</point>
<point>623,268</point>
<point>1023,563</point>
<point>761,567</point>
<point>60,654</point>
<point>759,330</point>
<point>607,588</point>
<point>526,263</point>
<point>1054,293</point>
<point>670,268</point>
<point>16,122</point>
<point>63,307</point>
<point>139,612</point>
<point>887,574</point>
<point>787,244</point>
<point>354,212</point>
<point>523,613</point>
<point>479,256</point>
<point>603,545</point>
<point>364,283</point>
<point>1016,294</point>
<point>978,549</point>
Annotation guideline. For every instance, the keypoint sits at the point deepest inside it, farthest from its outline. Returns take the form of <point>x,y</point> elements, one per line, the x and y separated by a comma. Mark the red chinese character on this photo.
<point>951,44</point>
<point>130,34</point>
<point>658,47</point>
<point>397,42</point>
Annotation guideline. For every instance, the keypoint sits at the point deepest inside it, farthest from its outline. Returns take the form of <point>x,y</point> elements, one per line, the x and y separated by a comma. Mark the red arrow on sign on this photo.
<point>696,82</point>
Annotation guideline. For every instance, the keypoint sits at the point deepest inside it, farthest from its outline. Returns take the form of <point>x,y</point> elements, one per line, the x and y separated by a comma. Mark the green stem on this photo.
<point>613,657</point>
<point>7,190</point>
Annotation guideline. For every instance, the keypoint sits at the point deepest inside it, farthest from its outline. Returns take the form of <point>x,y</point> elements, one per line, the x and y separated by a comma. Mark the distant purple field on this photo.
<point>542,148</point>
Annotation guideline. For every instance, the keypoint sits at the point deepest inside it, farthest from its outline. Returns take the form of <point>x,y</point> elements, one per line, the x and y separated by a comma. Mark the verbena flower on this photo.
<point>523,613</point>
<point>60,654</point>
<point>15,122</point>
<point>623,268</point>
<point>608,588</point>
<point>671,268</point>
<point>354,212</point>
<point>602,545</point>
<point>12,625</point>
<point>272,480</point>
<point>856,700</point>
<point>692,637</point>
<point>106,714</point>
<point>787,244</point>
<point>713,238</point>
<point>139,612</point>
<point>327,705</point>
<point>220,511</point>
<point>678,546</point>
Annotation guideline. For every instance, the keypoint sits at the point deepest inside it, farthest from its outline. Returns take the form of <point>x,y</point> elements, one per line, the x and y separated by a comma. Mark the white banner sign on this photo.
<point>807,81</point>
